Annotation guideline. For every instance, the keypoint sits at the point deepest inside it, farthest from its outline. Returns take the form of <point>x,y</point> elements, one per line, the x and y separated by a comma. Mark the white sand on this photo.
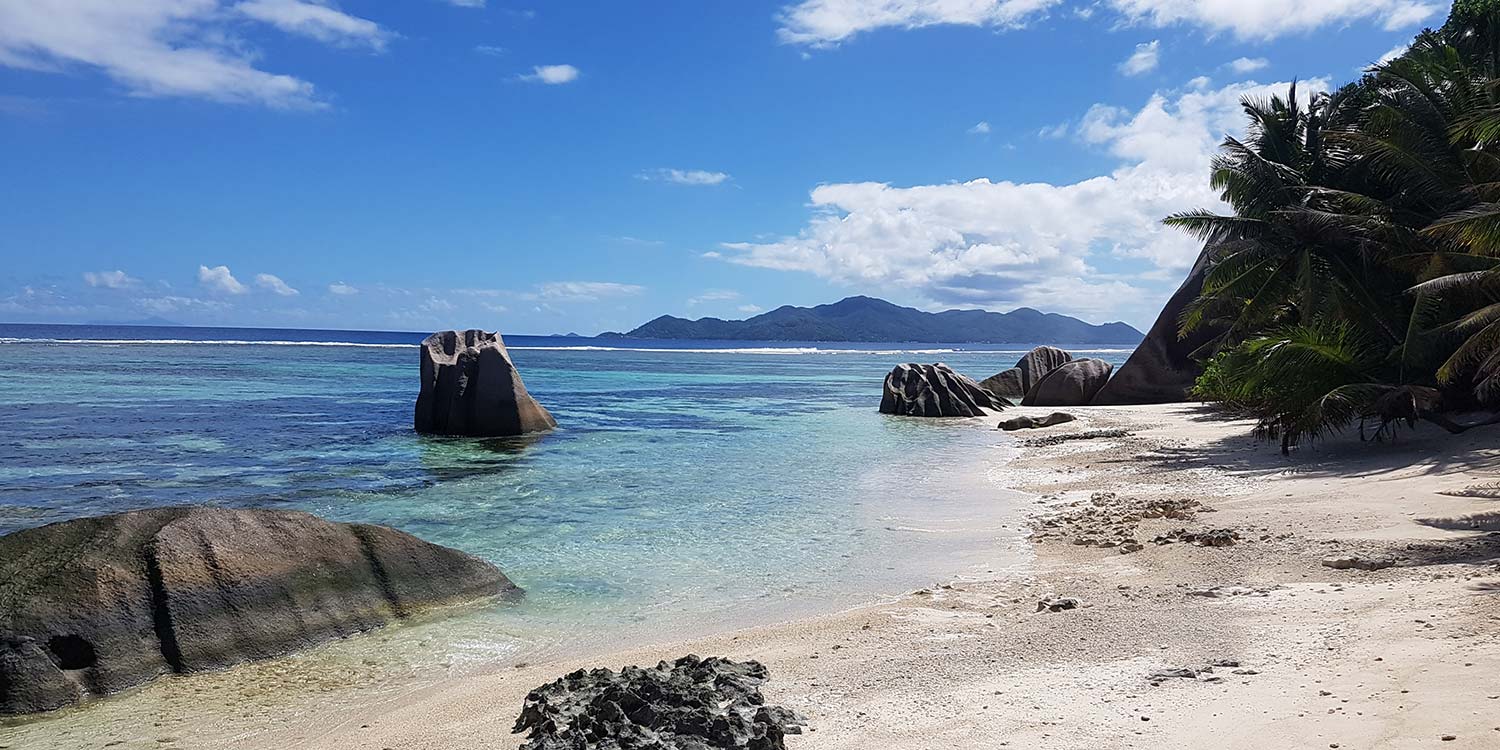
<point>1395,658</point>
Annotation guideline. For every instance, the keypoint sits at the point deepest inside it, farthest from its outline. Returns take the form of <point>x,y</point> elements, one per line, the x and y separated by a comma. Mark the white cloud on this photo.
<point>1053,132</point>
<point>1247,65</point>
<point>1001,243</point>
<point>750,309</point>
<point>822,23</point>
<point>980,128</point>
<point>552,75</point>
<point>467,3</point>
<point>1265,19</point>
<point>316,20</point>
<point>697,177</point>
<point>713,295</point>
<point>826,23</point>
<point>582,291</point>
<point>1393,53</point>
<point>1144,60</point>
<point>273,283</point>
<point>153,48</point>
<point>489,49</point>
<point>219,279</point>
<point>341,289</point>
<point>109,279</point>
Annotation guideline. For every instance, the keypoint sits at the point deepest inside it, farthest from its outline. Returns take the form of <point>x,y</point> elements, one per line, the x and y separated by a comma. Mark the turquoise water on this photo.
<point>689,488</point>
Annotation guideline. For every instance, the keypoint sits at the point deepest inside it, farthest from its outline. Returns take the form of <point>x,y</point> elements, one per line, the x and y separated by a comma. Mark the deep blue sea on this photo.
<point>692,485</point>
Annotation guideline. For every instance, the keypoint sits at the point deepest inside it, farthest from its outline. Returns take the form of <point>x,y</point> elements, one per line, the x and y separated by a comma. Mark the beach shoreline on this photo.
<point>1270,648</point>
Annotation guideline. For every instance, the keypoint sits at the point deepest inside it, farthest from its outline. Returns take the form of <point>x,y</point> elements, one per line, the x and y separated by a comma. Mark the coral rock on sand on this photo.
<point>913,390</point>
<point>1358,563</point>
<point>1070,384</point>
<point>96,605</point>
<point>1030,423</point>
<point>692,703</point>
<point>471,388</point>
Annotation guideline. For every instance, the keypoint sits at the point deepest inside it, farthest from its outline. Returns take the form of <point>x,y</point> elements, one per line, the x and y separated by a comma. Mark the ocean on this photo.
<point>692,486</point>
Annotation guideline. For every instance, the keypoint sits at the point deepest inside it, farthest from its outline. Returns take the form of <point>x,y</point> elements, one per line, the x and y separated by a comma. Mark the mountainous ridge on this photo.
<point>862,318</point>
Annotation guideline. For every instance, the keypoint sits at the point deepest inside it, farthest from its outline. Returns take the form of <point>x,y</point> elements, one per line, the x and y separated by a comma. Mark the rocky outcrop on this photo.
<point>1161,370</point>
<point>471,388</point>
<point>691,703</point>
<point>1031,423</point>
<point>1007,385</point>
<point>96,605</point>
<point>913,390</point>
<point>1072,384</point>
<point>1037,363</point>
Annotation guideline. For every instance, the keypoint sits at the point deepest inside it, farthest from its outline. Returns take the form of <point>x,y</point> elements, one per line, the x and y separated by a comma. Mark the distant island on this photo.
<point>870,319</point>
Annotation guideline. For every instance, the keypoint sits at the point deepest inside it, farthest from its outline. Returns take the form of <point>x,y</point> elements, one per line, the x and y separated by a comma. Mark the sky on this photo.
<point>568,166</point>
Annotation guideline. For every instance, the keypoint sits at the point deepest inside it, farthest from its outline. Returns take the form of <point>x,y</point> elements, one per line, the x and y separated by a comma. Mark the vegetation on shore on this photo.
<point>1357,280</point>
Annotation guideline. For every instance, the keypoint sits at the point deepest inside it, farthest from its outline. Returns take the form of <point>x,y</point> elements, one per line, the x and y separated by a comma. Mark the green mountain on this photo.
<point>870,319</point>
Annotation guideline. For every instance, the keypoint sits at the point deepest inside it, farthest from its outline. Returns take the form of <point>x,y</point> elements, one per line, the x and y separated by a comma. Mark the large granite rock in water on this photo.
<point>1007,385</point>
<point>913,390</point>
<point>1161,370</point>
<point>470,388</point>
<point>692,704</point>
<point>1037,363</point>
<point>96,605</point>
<point>1072,384</point>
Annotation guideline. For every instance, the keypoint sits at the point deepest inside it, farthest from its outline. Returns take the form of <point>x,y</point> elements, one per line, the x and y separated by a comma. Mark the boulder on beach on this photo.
<point>1031,423</point>
<point>1072,384</point>
<point>913,390</point>
<point>1161,370</point>
<point>471,388</point>
<point>1007,385</point>
<point>690,703</point>
<point>1037,363</point>
<point>93,606</point>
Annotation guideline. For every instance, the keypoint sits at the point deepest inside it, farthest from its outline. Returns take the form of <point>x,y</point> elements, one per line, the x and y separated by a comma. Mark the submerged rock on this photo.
<point>96,605</point>
<point>913,390</point>
<point>692,703</point>
<point>471,388</point>
<point>1031,423</point>
<point>1071,384</point>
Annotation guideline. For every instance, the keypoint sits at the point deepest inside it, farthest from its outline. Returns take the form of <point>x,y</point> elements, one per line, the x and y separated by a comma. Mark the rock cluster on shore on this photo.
<point>471,388</point>
<point>690,703</point>
<point>913,390</point>
<point>96,605</point>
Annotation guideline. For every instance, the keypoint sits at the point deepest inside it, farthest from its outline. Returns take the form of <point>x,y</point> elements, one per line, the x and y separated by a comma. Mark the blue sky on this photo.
<point>572,166</point>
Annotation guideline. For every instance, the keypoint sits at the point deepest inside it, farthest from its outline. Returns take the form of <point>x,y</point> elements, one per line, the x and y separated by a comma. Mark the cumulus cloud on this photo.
<point>827,23</point>
<point>1247,65</point>
<point>109,279</point>
<point>341,289</point>
<point>552,75</point>
<point>697,177</point>
<point>275,284</point>
<point>1393,53</point>
<point>1265,19</point>
<point>1144,60</point>
<point>1001,243</point>
<point>316,20</point>
<point>750,309</point>
<point>822,23</point>
<point>174,48</point>
<point>219,279</point>
<point>582,291</point>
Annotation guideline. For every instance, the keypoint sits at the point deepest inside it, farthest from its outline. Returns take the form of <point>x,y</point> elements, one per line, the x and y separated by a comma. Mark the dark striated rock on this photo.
<point>692,704</point>
<point>913,390</point>
<point>470,388</point>
<point>1006,385</point>
<point>1031,423</point>
<point>96,605</point>
<point>1037,363</point>
<point>1161,370</point>
<point>1071,384</point>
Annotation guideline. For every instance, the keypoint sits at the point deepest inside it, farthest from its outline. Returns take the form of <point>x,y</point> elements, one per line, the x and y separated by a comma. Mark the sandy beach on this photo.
<point>1180,644</point>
